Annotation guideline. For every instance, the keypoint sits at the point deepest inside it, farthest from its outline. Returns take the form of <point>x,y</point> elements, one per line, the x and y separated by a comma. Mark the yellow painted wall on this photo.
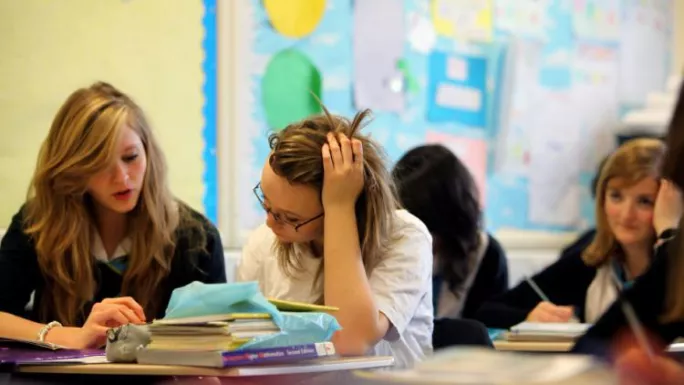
<point>151,49</point>
<point>678,38</point>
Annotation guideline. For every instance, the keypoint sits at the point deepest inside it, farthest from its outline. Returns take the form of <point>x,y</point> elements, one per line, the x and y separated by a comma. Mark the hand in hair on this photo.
<point>110,313</point>
<point>343,171</point>
<point>668,207</point>
<point>548,312</point>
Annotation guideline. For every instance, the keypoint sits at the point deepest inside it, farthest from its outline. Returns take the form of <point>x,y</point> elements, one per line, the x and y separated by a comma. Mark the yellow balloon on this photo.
<point>295,18</point>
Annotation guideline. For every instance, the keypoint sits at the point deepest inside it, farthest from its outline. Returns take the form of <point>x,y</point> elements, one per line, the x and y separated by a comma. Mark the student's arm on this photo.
<point>490,281</point>
<point>19,272</point>
<point>565,282</point>
<point>345,282</point>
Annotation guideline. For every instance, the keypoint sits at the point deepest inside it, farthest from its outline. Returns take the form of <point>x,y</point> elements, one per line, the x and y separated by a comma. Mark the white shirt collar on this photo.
<point>98,251</point>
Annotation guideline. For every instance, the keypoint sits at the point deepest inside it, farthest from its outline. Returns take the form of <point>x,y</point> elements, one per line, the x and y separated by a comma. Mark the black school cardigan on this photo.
<point>648,298</point>
<point>20,274</point>
<point>565,282</point>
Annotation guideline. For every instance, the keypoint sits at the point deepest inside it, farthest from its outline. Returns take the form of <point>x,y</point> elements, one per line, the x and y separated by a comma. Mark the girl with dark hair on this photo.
<point>469,266</point>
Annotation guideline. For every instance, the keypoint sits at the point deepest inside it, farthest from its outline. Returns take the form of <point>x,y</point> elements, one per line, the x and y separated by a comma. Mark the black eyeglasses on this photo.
<point>278,217</point>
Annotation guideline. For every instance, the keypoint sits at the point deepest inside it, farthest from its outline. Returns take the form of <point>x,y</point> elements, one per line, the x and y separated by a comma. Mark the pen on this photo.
<point>536,288</point>
<point>633,320</point>
<point>540,293</point>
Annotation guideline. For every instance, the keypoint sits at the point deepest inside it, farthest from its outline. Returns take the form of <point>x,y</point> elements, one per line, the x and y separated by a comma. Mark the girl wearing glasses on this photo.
<point>333,235</point>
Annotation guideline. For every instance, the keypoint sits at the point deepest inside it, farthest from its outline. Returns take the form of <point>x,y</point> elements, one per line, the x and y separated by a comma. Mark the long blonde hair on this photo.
<point>296,156</point>
<point>633,161</point>
<point>58,215</point>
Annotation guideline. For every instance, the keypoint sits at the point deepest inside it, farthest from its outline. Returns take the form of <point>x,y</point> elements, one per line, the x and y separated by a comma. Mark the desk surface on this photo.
<point>312,366</point>
<point>518,346</point>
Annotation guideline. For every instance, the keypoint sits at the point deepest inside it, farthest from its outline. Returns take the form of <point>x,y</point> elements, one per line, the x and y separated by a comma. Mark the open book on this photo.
<point>547,332</point>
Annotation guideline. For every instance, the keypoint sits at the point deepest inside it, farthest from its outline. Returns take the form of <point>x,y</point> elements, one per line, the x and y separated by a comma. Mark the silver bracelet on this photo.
<point>45,329</point>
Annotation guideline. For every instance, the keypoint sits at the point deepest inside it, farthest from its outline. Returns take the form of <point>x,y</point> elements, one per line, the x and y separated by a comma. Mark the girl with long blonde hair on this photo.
<point>101,241</point>
<point>581,286</point>
<point>333,235</point>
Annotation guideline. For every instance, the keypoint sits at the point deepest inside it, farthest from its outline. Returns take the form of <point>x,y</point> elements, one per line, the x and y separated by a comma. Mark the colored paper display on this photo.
<point>378,81</point>
<point>471,152</point>
<point>596,20</point>
<point>457,89</point>
<point>289,89</point>
<point>463,19</point>
<point>523,18</point>
<point>294,18</point>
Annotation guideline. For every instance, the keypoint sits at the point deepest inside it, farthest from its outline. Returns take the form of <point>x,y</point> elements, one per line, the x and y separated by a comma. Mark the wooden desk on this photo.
<point>518,346</point>
<point>313,366</point>
<point>599,376</point>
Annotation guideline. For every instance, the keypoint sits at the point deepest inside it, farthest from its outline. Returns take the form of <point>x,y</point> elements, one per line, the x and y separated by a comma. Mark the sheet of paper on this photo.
<point>596,20</point>
<point>523,18</point>
<point>554,190</point>
<point>463,19</point>
<point>595,84</point>
<point>457,89</point>
<point>472,152</point>
<point>644,44</point>
<point>378,82</point>
<point>520,101</point>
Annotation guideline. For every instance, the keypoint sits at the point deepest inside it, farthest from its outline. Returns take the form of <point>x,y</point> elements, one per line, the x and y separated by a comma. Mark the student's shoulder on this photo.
<point>408,225</point>
<point>192,222</point>
<point>260,242</point>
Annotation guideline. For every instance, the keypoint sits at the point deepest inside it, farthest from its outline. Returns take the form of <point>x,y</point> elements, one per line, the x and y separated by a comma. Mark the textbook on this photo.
<point>547,332</point>
<point>223,359</point>
<point>294,306</point>
<point>29,344</point>
<point>187,334</point>
<point>203,319</point>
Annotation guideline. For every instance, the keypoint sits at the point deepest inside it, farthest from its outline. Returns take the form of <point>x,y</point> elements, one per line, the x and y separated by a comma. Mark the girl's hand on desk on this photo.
<point>548,312</point>
<point>110,313</point>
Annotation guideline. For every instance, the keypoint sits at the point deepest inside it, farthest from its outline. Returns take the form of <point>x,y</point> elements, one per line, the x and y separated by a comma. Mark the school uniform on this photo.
<point>567,282</point>
<point>488,277</point>
<point>648,297</point>
<point>401,285</point>
<point>20,275</point>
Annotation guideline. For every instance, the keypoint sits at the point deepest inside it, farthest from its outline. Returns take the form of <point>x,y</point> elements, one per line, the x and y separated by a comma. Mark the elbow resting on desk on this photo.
<point>357,340</point>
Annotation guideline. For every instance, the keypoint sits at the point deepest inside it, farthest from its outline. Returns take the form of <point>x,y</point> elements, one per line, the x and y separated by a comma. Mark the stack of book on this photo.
<point>216,340</point>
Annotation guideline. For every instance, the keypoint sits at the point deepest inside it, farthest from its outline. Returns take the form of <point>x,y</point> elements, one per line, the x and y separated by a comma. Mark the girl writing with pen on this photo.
<point>657,297</point>
<point>634,208</point>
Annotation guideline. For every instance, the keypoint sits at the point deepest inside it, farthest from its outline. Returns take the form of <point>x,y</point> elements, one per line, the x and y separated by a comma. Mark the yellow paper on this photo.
<point>294,18</point>
<point>148,48</point>
<point>463,19</point>
<point>300,306</point>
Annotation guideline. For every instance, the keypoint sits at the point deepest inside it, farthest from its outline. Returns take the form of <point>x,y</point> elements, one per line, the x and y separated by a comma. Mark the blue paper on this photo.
<point>201,299</point>
<point>297,329</point>
<point>457,72</point>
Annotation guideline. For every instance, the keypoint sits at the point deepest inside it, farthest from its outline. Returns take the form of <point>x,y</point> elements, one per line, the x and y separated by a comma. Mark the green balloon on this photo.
<point>287,88</point>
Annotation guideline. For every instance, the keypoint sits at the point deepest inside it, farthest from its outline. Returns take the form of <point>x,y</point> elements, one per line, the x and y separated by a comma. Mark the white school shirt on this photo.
<point>601,293</point>
<point>401,284</point>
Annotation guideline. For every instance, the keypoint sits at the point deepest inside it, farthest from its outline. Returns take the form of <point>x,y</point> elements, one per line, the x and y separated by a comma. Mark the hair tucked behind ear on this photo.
<point>633,161</point>
<point>296,156</point>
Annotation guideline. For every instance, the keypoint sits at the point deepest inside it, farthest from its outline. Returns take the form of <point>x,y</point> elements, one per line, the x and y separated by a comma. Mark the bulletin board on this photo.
<point>528,93</point>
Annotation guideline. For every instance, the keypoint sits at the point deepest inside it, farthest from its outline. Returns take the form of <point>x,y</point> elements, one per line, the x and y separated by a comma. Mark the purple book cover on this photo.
<point>22,355</point>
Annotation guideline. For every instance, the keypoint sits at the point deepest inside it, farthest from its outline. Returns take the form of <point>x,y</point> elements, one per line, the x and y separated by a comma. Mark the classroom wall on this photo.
<point>147,48</point>
<point>678,38</point>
